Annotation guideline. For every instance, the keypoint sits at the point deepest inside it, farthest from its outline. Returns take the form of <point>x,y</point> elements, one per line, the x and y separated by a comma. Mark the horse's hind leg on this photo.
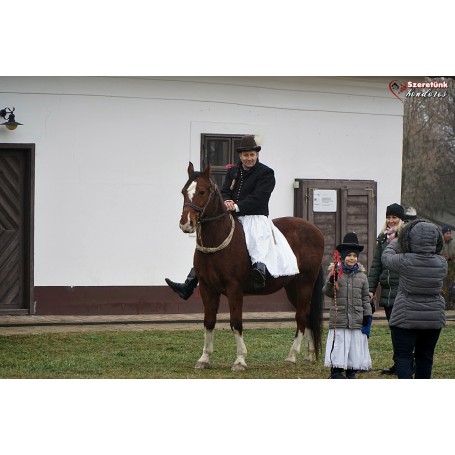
<point>239,364</point>
<point>300,296</point>
<point>309,351</point>
<point>295,348</point>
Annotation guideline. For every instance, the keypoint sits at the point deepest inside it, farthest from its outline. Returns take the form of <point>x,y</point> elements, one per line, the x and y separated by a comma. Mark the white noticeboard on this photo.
<point>324,200</point>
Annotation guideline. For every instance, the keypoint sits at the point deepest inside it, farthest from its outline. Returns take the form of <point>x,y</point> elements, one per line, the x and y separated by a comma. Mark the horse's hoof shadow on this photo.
<point>202,366</point>
<point>238,367</point>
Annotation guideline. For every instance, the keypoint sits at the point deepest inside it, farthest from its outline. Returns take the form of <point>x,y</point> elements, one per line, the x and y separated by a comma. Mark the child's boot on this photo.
<point>337,373</point>
<point>350,374</point>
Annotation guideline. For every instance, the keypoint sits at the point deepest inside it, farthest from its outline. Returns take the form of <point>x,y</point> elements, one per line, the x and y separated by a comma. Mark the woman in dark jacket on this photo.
<point>381,275</point>
<point>418,313</point>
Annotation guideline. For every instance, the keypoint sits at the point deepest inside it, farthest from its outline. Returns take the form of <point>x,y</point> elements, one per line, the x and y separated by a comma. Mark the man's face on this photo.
<point>447,236</point>
<point>248,159</point>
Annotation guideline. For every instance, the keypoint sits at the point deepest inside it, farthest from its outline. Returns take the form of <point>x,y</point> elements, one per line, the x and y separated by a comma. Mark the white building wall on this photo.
<point>112,153</point>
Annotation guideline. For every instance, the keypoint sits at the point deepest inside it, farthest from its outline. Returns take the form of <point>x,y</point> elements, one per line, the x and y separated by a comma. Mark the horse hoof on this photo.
<point>238,367</point>
<point>290,361</point>
<point>202,366</point>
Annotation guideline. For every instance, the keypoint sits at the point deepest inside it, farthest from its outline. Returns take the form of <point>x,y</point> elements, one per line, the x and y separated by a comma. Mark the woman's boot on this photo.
<point>184,290</point>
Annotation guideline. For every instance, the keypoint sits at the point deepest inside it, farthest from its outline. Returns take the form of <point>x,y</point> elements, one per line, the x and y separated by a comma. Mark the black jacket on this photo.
<point>380,274</point>
<point>252,189</point>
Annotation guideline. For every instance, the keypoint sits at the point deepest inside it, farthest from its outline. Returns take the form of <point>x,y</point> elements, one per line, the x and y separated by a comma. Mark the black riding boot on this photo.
<point>259,274</point>
<point>184,290</point>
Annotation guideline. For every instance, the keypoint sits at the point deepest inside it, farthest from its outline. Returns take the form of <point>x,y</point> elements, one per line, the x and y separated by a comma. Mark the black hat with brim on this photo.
<point>248,143</point>
<point>350,242</point>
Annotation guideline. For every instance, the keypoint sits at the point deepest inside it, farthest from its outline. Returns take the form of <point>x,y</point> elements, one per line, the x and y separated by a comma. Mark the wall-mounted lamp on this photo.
<point>10,123</point>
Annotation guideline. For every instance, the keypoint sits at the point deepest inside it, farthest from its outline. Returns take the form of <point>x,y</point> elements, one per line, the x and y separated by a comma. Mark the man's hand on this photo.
<point>230,205</point>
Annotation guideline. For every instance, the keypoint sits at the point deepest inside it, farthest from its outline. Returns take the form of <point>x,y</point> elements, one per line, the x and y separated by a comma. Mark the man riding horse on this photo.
<point>246,192</point>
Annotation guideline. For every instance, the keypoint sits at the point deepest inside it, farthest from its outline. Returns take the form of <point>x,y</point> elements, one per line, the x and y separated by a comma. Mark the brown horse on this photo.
<point>223,266</point>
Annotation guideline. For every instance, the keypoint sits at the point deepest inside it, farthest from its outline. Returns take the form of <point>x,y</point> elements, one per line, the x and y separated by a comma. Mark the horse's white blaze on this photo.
<point>208,346</point>
<point>187,226</point>
<point>241,349</point>
<point>191,190</point>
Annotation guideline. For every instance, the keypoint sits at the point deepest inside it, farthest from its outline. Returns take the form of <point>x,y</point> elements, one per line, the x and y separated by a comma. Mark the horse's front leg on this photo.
<point>204,360</point>
<point>211,302</point>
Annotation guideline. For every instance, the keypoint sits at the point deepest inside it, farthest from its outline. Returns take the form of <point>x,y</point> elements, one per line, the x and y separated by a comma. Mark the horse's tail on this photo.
<point>316,309</point>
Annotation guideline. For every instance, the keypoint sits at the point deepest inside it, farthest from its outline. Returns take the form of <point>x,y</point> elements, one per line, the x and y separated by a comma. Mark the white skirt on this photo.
<point>350,350</point>
<point>266,244</point>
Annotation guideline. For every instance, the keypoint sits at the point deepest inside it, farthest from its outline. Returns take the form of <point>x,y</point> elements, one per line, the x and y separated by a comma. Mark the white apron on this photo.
<point>350,350</point>
<point>266,244</point>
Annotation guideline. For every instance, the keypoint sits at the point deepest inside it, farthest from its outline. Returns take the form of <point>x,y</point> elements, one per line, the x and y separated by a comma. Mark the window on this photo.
<point>219,150</point>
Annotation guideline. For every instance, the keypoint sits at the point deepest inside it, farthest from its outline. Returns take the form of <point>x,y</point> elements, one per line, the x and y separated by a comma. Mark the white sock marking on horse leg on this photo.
<point>208,346</point>
<point>310,353</point>
<point>295,348</point>
<point>241,351</point>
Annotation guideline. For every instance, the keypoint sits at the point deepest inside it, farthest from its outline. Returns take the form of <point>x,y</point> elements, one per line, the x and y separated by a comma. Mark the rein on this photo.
<point>201,220</point>
<point>226,242</point>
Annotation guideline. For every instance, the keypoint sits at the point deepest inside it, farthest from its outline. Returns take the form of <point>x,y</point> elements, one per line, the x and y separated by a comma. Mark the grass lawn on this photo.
<point>172,355</point>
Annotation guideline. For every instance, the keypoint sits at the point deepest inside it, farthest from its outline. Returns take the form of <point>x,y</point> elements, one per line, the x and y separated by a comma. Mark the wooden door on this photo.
<point>16,240</point>
<point>350,206</point>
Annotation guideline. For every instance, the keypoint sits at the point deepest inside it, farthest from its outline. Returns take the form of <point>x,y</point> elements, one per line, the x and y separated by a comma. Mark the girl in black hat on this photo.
<point>350,313</point>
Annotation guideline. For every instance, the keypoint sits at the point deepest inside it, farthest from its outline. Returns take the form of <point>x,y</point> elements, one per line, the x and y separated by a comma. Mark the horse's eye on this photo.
<point>201,193</point>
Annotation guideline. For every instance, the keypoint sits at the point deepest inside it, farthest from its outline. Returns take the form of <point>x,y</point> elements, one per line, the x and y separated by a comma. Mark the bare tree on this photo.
<point>428,178</point>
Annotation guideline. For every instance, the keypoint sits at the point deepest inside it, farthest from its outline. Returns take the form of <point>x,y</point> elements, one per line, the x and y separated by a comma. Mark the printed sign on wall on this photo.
<point>324,200</point>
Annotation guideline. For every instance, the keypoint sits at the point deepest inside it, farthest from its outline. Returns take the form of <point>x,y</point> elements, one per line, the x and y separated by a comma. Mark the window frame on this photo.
<point>219,170</point>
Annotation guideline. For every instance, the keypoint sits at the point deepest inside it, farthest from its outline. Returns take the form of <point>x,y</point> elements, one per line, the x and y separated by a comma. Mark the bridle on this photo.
<point>203,219</point>
<point>201,210</point>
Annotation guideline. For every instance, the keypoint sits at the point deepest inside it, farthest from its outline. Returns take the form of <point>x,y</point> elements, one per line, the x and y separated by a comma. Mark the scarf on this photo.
<point>349,269</point>
<point>391,234</point>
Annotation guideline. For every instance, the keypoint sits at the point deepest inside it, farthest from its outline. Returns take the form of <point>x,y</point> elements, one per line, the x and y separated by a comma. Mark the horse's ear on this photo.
<point>190,169</point>
<point>207,171</point>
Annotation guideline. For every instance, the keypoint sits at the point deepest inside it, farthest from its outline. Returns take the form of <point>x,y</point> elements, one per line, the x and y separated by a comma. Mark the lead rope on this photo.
<point>336,272</point>
<point>227,240</point>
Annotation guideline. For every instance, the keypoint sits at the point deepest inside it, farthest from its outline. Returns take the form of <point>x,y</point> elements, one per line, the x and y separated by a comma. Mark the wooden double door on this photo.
<point>16,228</point>
<point>337,207</point>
